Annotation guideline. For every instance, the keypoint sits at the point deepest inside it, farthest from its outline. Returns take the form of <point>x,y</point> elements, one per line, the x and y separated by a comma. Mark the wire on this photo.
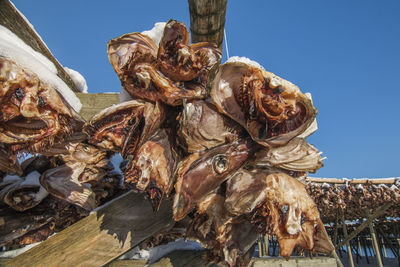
<point>226,45</point>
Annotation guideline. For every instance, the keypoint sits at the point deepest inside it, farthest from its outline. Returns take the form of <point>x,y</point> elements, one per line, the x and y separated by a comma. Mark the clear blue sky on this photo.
<point>346,53</point>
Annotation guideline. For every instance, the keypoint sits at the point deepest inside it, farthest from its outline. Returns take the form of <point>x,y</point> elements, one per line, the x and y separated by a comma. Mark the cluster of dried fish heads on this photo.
<point>62,172</point>
<point>225,142</point>
<point>221,141</point>
<point>55,190</point>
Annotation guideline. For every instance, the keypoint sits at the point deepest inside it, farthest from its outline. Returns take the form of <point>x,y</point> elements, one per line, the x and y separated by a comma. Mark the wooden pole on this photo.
<point>207,20</point>
<point>338,262</point>
<point>266,241</point>
<point>375,245</point>
<point>347,243</point>
<point>383,246</point>
<point>335,235</point>
<point>259,248</point>
<point>388,242</point>
<point>379,212</point>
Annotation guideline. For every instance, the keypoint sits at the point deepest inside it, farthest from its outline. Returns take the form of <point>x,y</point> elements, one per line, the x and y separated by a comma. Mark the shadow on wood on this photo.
<point>102,236</point>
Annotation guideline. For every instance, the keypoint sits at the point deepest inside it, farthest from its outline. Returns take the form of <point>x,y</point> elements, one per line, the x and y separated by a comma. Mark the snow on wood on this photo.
<point>78,79</point>
<point>16,22</point>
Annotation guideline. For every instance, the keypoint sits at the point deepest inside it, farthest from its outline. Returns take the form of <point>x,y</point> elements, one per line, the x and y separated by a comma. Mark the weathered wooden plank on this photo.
<point>375,244</point>
<point>207,20</point>
<point>12,20</point>
<point>3,262</point>
<point>127,263</point>
<point>294,262</point>
<point>93,103</point>
<point>195,258</point>
<point>102,236</point>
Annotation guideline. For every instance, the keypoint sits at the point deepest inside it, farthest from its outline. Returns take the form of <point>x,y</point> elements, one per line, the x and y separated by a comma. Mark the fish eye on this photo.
<point>86,148</point>
<point>19,93</point>
<point>41,102</point>
<point>220,164</point>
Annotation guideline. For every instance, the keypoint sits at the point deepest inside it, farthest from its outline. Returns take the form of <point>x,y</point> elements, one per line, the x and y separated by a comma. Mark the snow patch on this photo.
<point>13,48</point>
<point>154,254</point>
<point>325,185</point>
<point>78,79</point>
<point>180,244</point>
<point>359,187</point>
<point>156,33</point>
<point>245,60</point>
<point>14,253</point>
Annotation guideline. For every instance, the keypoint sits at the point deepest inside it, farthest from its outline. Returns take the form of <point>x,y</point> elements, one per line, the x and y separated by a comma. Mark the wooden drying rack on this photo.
<point>115,228</point>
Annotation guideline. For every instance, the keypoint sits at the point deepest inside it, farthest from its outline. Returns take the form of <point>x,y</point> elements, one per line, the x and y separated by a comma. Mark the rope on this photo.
<point>226,45</point>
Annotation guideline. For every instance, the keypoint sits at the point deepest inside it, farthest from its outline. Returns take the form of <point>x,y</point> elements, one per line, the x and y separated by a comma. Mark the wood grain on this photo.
<point>207,20</point>
<point>102,236</point>
<point>93,103</point>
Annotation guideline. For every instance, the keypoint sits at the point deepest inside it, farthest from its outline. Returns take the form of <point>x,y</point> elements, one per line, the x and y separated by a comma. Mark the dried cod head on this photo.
<point>33,115</point>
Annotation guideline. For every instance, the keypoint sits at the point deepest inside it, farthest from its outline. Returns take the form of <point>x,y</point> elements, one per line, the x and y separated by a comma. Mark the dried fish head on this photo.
<point>202,127</point>
<point>23,193</point>
<point>272,110</point>
<point>33,115</point>
<point>153,167</point>
<point>201,173</point>
<point>124,127</point>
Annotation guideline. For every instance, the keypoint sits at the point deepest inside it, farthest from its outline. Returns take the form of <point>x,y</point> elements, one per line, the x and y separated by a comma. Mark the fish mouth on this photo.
<point>25,126</point>
<point>132,141</point>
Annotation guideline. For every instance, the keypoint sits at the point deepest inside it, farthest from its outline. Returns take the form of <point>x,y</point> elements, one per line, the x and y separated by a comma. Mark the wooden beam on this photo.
<point>349,252</point>
<point>12,20</point>
<point>93,103</point>
<point>207,20</point>
<point>375,244</point>
<point>352,181</point>
<point>379,212</point>
<point>101,237</point>
<point>266,247</point>
<point>260,250</point>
